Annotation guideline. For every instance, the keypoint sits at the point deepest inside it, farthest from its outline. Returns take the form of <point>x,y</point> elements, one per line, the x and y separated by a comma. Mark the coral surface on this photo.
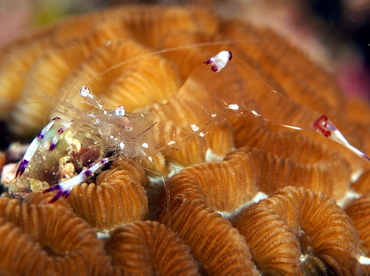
<point>191,154</point>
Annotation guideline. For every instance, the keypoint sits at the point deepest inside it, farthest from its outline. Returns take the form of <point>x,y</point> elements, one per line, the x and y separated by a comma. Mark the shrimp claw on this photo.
<point>34,146</point>
<point>253,95</point>
<point>57,136</point>
<point>65,187</point>
<point>324,126</point>
<point>219,61</point>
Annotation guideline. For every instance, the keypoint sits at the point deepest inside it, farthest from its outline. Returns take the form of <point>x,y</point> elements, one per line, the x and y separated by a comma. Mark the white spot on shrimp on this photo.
<point>234,106</point>
<point>255,113</point>
<point>194,127</point>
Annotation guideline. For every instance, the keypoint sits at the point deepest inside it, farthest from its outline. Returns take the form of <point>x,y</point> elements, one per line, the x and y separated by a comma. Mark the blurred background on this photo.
<point>334,33</point>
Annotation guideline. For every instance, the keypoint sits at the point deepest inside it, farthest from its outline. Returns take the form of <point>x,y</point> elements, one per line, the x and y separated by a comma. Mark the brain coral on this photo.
<point>191,147</point>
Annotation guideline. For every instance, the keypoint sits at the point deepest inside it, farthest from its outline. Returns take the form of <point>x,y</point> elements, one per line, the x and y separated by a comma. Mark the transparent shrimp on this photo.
<point>228,87</point>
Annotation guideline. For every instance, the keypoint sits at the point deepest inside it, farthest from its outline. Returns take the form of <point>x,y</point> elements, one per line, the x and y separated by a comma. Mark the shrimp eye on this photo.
<point>85,91</point>
<point>120,111</point>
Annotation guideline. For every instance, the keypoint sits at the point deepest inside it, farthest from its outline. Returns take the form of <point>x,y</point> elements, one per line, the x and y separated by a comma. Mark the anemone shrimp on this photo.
<point>223,86</point>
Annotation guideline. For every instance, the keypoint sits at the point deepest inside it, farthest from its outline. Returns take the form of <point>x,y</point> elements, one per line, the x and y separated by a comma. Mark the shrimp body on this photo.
<point>119,131</point>
<point>229,86</point>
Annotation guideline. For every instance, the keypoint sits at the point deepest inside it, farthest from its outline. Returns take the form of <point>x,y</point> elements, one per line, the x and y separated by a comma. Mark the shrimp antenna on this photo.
<point>142,132</point>
<point>119,64</point>
<point>39,93</point>
<point>73,87</point>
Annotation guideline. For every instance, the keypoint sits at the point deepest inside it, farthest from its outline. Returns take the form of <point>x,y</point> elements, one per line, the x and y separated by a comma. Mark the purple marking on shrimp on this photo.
<point>22,167</point>
<point>54,188</point>
<point>41,135</point>
<point>366,157</point>
<point>87,173</point>
<point>61,193</point>
<point>52,146</point>
<point>219,61</point>
<point>55,139</point>
<point>66,194</point>
<point>230,55</point>
<point>58,195</point>
<point>57,136</point>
